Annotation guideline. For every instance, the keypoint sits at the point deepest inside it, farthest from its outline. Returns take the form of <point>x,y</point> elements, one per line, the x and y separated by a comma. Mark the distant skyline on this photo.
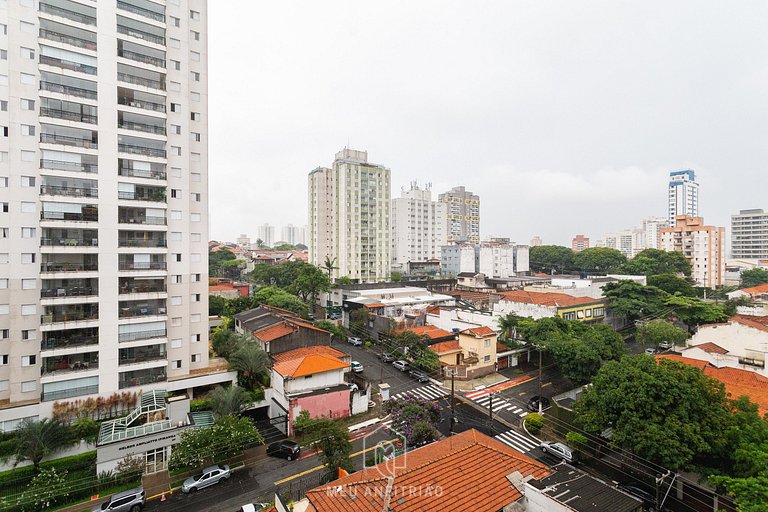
<point>564,117</point>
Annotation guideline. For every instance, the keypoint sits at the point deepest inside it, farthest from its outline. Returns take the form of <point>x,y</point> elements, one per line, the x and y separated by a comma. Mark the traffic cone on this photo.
<point>162,498</point>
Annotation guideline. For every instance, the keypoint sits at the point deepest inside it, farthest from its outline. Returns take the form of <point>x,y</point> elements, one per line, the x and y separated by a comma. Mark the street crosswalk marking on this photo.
<point>430,392</point>
<point>499,404</point>
<point>516,440</point>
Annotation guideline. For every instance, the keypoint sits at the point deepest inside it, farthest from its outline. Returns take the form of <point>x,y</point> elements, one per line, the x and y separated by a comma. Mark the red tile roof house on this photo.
<point>313,379</point>
<point>277,330</point>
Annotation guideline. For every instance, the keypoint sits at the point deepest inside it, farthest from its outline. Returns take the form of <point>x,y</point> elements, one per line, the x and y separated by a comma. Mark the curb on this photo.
<point>172,489</point>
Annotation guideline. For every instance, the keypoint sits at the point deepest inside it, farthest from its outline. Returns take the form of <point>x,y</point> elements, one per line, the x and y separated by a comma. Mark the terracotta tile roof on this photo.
<point>274,332</point>
<point>737,382</point>
<point>712,348</point>
<point>547,298</point>
<point>756,322</point>
<point>756,290</point>
<point>455,465</point>
<point>220,287</point>
<point>445,347</point>
<point>500,347</point>
<point>433,310</point>
<point>430,331</point>
<point>375,305</point>
<point>480,332</point>
<point>308,365</point>
<point>305,351</point>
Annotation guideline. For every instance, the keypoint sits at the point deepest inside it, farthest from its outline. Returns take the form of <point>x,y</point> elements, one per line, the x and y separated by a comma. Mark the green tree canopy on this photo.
<point>633,300</point>
<point>665,411</point>
<point>599,260</point>
<point>38,439</point>
<point>251,363</point>
<point>654,332</point>
<point>333,328</point>
<point>672,284</point>
<point>231,400</point>
<point>216,260</point>
<point>228,436</point>
<point>694,311</point>
<point>415,419</point>
<point>333,442</point>
<point>278,298</point>
<point>754,277</point>
<point>508,325</point>
<point>551,259</point>
<point>310,282</point>
<point>655,261</point>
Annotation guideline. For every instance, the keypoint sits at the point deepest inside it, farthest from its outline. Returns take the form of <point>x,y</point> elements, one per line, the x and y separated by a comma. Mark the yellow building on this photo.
<point>549,304</point>
<point>472,355</point>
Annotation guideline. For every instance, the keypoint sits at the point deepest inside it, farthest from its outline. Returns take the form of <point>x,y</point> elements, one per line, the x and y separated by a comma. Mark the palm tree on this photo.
<point>37,439</point>
<point>508,325</point>
<point>249,361</point>
<point>329,266</point>
<point>229,401</point>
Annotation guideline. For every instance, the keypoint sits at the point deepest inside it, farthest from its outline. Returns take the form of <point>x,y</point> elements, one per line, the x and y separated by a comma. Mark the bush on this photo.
<point>367,344</point>
<point>45,490</point>
<point>534,423</point>
<point>576,440</point>
<point>85,428</point>
<point>200,405</point>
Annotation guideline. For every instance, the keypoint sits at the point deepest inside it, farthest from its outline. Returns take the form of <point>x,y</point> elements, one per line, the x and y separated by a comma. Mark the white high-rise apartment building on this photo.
<point>266,234</point>
<point>704,246</point>
<point>749,235</point>
<point>293,235</point>
<point>496,258</point>
<point>419,226</point>
<point>629,241</point>
<point>463,215</point>
<point>683,195</point>
<point>349,217</point>
<point>651,227</point>
<point>104,195</point>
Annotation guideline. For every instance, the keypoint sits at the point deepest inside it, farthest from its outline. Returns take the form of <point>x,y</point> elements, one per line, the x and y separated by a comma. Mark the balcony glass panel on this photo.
<point>141,239</point>
<point>56,186</point>
<point>67,85</point>
<point>142,285</point>
<point>140,123</point>
<point>144,8</point>
<point>142,262</point>
<point>137,308</point>
<point>70,237</point>
<point>69,338</point>
<point>70,313</point>
<point>69,263</point>
<point>140,53</point>
<point>140,99</point>
<point>133,215</point>
<point>71,363</point>
<point>69,388</point>
<point>139,146</point>
<point>53,288</point>
<point>74,11</point>
<point>69,136</point>
<point>68,34</point>
<point>135,192</point>
<point>66,59</point>
<point>69,212</point>
<point>141,354</point>
<point>68,110</point>
<point>143,331</point>
<point>151,170</point>
<point>141,377</point>
<point>72,162</point>
<point>140,30</point>
<point>140,76</point>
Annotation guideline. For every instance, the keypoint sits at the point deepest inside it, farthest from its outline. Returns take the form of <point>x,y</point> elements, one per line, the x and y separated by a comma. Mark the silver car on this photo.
<point>559,450</point>
<point>126,501</point>
<point>210,476</point>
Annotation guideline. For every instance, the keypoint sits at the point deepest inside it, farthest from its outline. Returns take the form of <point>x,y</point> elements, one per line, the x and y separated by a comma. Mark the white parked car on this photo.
<point>401,365</point>
<point>357,367</point>
<point>209,476</point>
<point>559,450</point>
<point>353,340</point>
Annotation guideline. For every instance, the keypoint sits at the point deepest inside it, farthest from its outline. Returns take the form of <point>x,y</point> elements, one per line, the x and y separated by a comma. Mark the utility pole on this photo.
<point>381,375</point>
<point>453,400</point>
<point>490,411</point>
<point>540,384</point>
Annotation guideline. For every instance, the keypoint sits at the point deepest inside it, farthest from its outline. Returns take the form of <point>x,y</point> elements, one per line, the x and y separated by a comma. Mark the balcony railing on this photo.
<point>52,190</point>
<point>69,393</point>
<point>141,335</point>
<point>64,38</point>
<point>140,265</point>
<point>142,288</point>
<point>125,6</point>
<point>141,150</point>
<point>66,13</point>
<point>137,80</point>
<point>140,57</point>
<point>157,196</point>
<point>66,140</point>
<point>142,127</point>
<point>142,173</point>
<point>143,104</point>
<point>141,243</point>
<point>58,113</point>
<point>60,165</point>
<point>132,312</point>
<point>142,380</point>
<point>70,242</point>
<point>72,291</point>
<point>140,34</point>
<point>70,216</point>
<point>68,64</point>
<point>69,267</point>
<point>68,89</point>
<point>142,356</point>
<point>74,316</point>
<point>69,342</point>
<point>153,221</point>
<point>65,365</point>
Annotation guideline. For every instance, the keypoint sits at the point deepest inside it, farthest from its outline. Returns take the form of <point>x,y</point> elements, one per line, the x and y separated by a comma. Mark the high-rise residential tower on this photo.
<point>418,226</point>
<point>683,195</point>
<point>266,233</point>
<point>704,246</point>
<point>349,217</point>
<point>104,192</point>
<point>463,215</point>
<point>579,243</point>
<point>651,227</point>
<point>293,235</point>
<point>749,235</point>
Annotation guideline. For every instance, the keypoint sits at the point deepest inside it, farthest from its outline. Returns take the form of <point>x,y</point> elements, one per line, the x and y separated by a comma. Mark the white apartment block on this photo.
<point>266,234</point>
<point>683,195</point>
<point>104,195</point>
<point>629,241</point>
<point>293,235</point>
<point>651,227</point>
<point>463,215</point>
<point>704,246</point>
<point>419,226</point>
<point>349,217</point>
<point>243,241</point>
<point>495,258</point>
<point>749,235</point>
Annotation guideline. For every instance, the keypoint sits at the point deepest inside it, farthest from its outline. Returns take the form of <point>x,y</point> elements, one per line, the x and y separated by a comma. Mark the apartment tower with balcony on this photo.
<point>682,195</point>
<point>104,194</point>
<point>349,217</point>
<point>749,235</point>
<point>702,245</point>
<point>419,226</point>
<point>463,215</point>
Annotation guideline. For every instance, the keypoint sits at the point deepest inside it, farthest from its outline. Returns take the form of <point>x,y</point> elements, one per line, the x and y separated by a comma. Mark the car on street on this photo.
<point>126,501</point>
<point>355,341</point>
<point>387,357</point>
<point>650,351</point>
<point>533,403</point>
<point>560,450</point>
<point>209,476</point>
<point>647,497</point>
<point>401,365</point>
<point>665,345</point>
<point>253,507</point>
<point>419,375</point>
<point>357,367</point>
<point>285,449</point>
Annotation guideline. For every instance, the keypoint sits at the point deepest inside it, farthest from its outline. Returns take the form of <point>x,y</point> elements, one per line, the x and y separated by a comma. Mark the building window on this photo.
<point>5,334</point>
<point>176,364</point>
<point>176,279</point>
<point>194,318</point>
<point>28,334</point>
<point>27,156</point>
<point>195,297</point>
<point>194,96</point>
<point>28,284</point>
<point>175,107</point>
<point>176,64</point>
<point>26,78</point>
<point>4,283</point>
<point>176,321</point>
<point>195,237</point>
<point>3,257</point>
<point>194,34</point>
<point>194,217</point>
<point>28,232</point>
<point>27,181</point>
<point>28,207</point>
<point>5,309</point>
<point>28,309</point>
<point>196,358</point>
<point>174,43</point>
<point>28,360</point>
<point>196,278</point>
<point>28,386</point>
<point>194,76</point>
<point>486,359</point>
<point>599,311</point>
<point>4,359</point>
<point>27,53</point>
<point>176,300</point>
<point>27,130</point>
<point>196,137</point>
<point>195,116</point>
<point>176,22</point>
<point>195,338</point>
<point>195,15</point>
<point>26,258</point>
<point>569,316</point>
<point>3,232</point>
<point>176,343</point>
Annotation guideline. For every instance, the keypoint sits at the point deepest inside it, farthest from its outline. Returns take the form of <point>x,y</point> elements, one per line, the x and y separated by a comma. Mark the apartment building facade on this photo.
<point>749,235</point>
<point>104,192</point>
<point>579,243</point>
<point>703,245</point>
<point>495,258</point>
<point>682,195</point>
<point>463,215</point>
<point>349,217</point>
<point>419,226</point>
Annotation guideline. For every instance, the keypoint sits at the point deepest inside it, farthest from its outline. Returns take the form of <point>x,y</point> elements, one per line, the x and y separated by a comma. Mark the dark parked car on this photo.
<point>419,375</point>
<point>286,449</point>
<point>533,403</point>
<point>649,500</point>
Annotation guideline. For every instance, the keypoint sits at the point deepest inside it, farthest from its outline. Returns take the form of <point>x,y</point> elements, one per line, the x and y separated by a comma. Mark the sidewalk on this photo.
<point>472,385</point>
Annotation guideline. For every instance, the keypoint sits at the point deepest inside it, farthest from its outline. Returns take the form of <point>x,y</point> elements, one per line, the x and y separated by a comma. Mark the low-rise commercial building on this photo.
<point>547,304</point>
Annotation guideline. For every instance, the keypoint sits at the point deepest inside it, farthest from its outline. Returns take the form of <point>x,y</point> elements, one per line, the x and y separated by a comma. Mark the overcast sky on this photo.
<point>565,117</point>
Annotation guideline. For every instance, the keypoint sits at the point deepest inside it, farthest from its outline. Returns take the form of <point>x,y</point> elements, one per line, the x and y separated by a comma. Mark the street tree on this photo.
<point>329,265</point>
<point>282,299</point>
<point>672,284</point>
<point>551,259</point>
<point>651,262</point>
<point>414,419</point>
<point>632,300</point>
<point>508,325</point>
<point>37,439</point>
<point>228,436</point>
<point>599,260</point>
<point>333,442</point>
<point>694,311</point>
<point>754,277</point>
<point>251,364</point>
<point>654,332</point>
<point>310,282</point>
